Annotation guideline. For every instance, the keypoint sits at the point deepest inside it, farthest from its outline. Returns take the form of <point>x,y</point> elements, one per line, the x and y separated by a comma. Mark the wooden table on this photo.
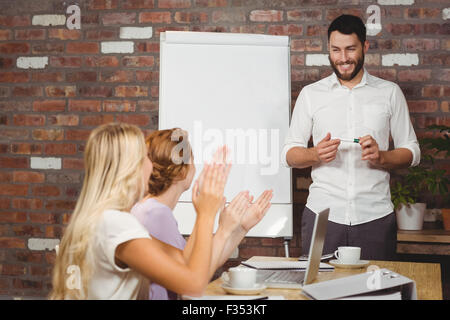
<point>431,240</point>
<point>426,275</point>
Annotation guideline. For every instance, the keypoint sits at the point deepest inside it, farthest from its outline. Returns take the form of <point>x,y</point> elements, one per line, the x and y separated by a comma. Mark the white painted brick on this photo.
<point>372,29</point>
<point>395,2</point>
<point>136,32</point>
<point>45,163</point>
<point>49,20</point>
<point>117,47</point>
<point>401,59</point>
<point>446,13</point>
<point>39,244</point>
<point>317,60</point>
<point>32,62</point>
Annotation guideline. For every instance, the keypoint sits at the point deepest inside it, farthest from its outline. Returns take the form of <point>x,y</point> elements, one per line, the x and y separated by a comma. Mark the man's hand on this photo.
<point>327,149</point>
<point>370,151</point>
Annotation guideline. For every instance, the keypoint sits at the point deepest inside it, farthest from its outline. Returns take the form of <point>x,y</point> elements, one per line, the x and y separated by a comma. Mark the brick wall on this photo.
<point>60,78</point>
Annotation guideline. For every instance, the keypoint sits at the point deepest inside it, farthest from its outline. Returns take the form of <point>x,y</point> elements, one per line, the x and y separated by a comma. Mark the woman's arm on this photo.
<point>254,213</point>
<point>165,265</point>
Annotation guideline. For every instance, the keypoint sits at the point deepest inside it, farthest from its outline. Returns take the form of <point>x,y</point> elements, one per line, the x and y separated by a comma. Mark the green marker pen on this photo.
<point>348,140</point>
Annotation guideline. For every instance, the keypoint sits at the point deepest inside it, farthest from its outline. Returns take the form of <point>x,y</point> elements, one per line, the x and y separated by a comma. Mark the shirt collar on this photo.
<point>366,79</point>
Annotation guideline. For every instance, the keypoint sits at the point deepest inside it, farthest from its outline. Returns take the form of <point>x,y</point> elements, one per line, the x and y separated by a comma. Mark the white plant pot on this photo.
<point>410,217</point>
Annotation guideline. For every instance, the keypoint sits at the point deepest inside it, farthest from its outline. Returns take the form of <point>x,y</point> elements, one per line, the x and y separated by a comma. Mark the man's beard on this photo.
<point>358,65</point>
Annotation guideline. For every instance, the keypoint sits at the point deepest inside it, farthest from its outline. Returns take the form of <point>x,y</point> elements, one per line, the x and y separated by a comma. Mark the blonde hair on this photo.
<point>170,153</point>
<point>113,160</point>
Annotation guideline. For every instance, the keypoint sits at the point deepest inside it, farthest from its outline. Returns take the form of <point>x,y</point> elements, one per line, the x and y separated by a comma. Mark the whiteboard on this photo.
<point>233,89</point>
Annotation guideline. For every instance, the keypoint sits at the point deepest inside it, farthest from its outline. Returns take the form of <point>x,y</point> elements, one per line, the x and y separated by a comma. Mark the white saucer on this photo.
<point>258,288</point>
<point>359,264</point>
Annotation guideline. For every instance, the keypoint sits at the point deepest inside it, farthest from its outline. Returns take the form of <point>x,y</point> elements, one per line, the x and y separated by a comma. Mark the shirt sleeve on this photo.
<point>300,129</point>
<point>119,227</point>
<point>402,130</point>
<point>161,224</point>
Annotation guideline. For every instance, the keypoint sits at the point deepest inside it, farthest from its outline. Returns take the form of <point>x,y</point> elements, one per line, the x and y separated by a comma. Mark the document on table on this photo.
<point>379,284</point>
<point>396,295</point>
<point>284,265</point>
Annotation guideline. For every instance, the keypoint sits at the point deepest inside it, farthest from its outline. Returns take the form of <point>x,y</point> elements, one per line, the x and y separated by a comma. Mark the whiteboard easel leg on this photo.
<point>286,247</point>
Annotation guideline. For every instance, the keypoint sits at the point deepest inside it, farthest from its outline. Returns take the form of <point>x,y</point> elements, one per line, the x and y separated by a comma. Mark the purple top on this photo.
<point>160,222</point>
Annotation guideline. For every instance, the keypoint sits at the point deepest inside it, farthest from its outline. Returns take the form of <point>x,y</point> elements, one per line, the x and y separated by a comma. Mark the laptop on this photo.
<point>271,273</point>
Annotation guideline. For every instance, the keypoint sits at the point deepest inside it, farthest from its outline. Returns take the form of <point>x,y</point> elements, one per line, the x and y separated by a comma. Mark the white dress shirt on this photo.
<point>355,191</point>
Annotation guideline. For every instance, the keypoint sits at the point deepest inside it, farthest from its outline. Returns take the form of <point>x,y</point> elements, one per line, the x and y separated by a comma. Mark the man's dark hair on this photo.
<point>348,24</point>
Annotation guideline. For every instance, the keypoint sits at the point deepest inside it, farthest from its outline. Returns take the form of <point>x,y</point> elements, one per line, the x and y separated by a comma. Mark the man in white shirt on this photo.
<point>350,176</point>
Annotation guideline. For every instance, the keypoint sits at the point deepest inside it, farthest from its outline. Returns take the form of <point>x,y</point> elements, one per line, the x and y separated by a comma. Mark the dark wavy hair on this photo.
<point>348,24</point>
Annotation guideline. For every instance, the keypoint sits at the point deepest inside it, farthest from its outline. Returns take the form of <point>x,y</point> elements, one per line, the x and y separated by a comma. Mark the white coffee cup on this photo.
<point>241,277</point>
<point>348,255</point>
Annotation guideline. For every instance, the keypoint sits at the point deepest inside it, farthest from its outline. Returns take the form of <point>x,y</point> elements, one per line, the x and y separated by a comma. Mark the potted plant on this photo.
<point>409,212</point>
<point>421,181</point>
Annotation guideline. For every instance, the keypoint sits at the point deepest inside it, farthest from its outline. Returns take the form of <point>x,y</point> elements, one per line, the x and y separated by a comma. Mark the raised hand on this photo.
<point>256,211</point>
<point>231,215</point>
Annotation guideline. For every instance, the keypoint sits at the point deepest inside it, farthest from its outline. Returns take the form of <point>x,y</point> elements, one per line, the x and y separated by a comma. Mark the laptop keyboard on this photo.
<point>280,276</point>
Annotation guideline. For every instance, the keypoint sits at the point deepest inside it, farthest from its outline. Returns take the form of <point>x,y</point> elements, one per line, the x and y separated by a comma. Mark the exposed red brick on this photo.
<point>85,105</point>
<point>29,120</point>
<point>28,176</point>
<point>27,204</point>
<point>78,135</point>
<point>49,134</point>
<point>64,120</point>
<point>266,16</point>
<point>97,120</point>
<point>49,105</point>
<point>60,149</point>
<point>66,62</point>
<point>64,34</point>
<point>14,217</point>
<point>102,4</point>
<point>102,61</point>
<point>138,4</point>
<point>26,148</point>
<point>422,105</point>
<point>155,17</point>
<point>119,18</point>
<point>47,77</point>
<point>14,77</point>
<point>60,91</point>
<point>191,17</point>
<point>170,4</point>
<point>131,91</point>
<point>117,76</point>
<point>46,191</point>
<point>30,34</point>
<point>138,61</point>
<point>83,47</point>
<point>48,48</point>
<point>14,48</point>
<point>211,3</point>
<point>16,162</point>
<point>119,106</point>
<point>15,21</point>
<point>27,91</point>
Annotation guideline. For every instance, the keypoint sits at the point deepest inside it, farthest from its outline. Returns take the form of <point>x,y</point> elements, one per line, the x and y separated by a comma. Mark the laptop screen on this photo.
<point>316,248</point>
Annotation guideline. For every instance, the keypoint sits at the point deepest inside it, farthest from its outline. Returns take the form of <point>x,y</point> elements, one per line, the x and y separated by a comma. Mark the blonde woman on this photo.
<point>107,248</point>
<point>173,172</point>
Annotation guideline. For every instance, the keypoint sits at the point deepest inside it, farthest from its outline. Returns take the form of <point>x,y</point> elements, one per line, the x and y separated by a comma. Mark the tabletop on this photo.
<point>426,275</point>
